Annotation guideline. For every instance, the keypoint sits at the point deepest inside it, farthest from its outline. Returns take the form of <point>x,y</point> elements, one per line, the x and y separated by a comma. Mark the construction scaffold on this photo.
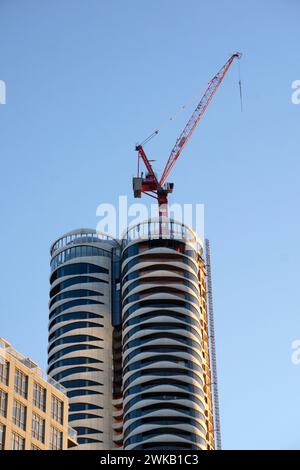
<point>215,392</point>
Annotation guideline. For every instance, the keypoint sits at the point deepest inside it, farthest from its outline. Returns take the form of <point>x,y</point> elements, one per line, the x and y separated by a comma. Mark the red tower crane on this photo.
<point>160,189</point>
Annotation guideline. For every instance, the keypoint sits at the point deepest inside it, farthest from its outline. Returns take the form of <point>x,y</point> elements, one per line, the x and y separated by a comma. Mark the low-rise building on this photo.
<point>33,407</point>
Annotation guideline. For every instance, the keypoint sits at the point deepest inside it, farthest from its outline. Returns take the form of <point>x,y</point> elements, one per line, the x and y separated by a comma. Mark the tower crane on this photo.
<point>159,188</point>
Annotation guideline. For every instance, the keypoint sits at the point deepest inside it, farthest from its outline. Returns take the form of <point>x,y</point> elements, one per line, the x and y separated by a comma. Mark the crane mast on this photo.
<point>160,189</point>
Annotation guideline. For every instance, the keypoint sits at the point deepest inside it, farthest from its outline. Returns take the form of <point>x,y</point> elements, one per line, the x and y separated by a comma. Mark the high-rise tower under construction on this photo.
<point>129,337</point>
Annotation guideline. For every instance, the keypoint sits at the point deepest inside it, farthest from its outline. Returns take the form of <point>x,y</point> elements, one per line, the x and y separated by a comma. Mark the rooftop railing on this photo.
<point>80,236</point>
<point>7,350</point>
<point>163,228</point>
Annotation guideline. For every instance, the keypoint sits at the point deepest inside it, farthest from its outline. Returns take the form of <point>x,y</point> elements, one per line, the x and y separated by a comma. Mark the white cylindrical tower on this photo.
<point>80,332</point>
<point>166,372</point>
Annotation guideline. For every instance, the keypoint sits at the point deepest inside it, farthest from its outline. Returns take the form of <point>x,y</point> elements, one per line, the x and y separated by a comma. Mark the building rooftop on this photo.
<point>7,349</point>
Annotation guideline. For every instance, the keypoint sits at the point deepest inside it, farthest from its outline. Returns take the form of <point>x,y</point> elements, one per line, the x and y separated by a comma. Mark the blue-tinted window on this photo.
<point>73,303</point>
<point>181,362</point>
<point>154,336</point>
<point>174,281</point>
<point>69,349</point>
<point>84,406</point>
<point>164,420</point>
<point>74,370</point>
<point>162,349</point>
<point>77,252</point>
<point>160,257</point>
<point>75,293</point>
<point>172,396</point>
<point>150,385</point>
<point>78,416</point>
<point>87,440</point>
<point>80,383</point>
<point>163,430</point>
<point>84,430</point>
<point>82,392</point>
<point>170,327</point>
<point>158,267</point>
<point>74,316</point>
<point>73,361</point>
<point>77,269</point>
<point>166,373</point>
<point>169,406</point>
<point>167,303</point>
<point>72,281</point>
<point>73,326</point>
<point>73,339</point>
<point>140,319</point>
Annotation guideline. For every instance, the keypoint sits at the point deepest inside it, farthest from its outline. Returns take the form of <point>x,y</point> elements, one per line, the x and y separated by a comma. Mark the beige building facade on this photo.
<point>33,407</point>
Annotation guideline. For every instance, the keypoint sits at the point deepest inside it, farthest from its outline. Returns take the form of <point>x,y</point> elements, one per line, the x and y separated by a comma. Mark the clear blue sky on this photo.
<point>88,79</point>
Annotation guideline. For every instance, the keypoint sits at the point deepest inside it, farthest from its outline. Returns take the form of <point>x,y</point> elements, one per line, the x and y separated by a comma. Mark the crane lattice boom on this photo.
<point>159,189</point>
<point>196,116</point>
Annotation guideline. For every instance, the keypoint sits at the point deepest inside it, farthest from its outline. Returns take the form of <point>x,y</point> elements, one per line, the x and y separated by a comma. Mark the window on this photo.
<point>73,370</point>
<point>21,383</point>
<point>3,403</point>
<point>57,409</point>
<point>2,436</point>
<point>76,347</point>
<point>55,439</point>
<point>73,303</point>
<point>19,415</point>
<point>33,447</point>
<point>39,396</point>
<point>17,442</point>
<point>73,326</point>
<point>86,440</point>
<point>74,339</point>
<point>74,280</point>
<point>74,361</point>
<point>74,293</point>
<point>77,269</point>
<point>4,371</point>
<point>38,427</point>
<point>75,252</point>
<point>84,406</point>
